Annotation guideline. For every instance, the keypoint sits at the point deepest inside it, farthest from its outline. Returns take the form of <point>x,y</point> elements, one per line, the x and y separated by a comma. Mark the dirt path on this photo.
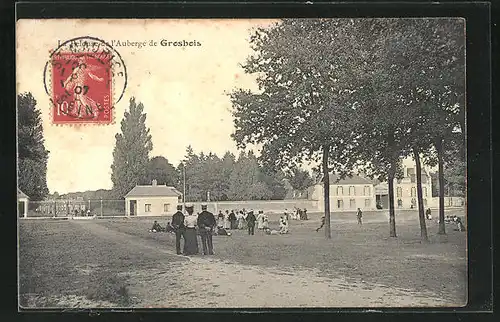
<point>201,282</point>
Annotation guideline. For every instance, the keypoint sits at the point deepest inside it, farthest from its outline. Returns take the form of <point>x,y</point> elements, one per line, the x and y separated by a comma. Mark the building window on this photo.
<point>425,191</point>
<point>400,203</point>
<point>412,178</point>
<point>413,202</point>
<point>352,203</point>
<point>399,192</point>
<point>367,191</point>
<point>352,191</point>
<point>340,204</point>
<point>166,207</point>
<point>340,191</point>
<point>425,202</point>
<point>368,203</point>
<point>147,207</point>
<point>413,192</point>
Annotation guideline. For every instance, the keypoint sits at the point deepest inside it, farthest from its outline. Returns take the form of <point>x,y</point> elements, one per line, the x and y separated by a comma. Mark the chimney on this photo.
<point>154,182</point>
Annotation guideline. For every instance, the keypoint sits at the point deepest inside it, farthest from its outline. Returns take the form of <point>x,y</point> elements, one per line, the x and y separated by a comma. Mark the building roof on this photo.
<point>354,179</point>
<point>153,191</point>
<point>21,194</point>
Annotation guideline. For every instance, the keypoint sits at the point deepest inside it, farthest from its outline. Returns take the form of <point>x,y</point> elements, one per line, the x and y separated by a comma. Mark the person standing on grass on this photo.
<point>260,220</point>
<point>251,223</point>
<point>322,223</point>
<point>265,222</point>
<point>206,224</point>
<point>359,215</point>
<point>190,236</point>
<point>241,218</point>
<point>179,228</point>
<point>220,219</point>
<point>232,220</point>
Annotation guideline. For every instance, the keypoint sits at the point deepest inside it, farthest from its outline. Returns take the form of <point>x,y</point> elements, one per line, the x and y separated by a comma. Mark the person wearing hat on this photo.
<point>206,224</point>
<point>179,228</point>
<point>190,236</point>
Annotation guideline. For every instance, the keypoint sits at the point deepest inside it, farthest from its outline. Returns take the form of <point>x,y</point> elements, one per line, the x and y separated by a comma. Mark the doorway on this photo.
<point>133,207</point>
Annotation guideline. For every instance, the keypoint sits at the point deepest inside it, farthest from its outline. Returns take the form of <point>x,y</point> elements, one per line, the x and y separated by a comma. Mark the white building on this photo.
<point>347,194</point>
<point>152,200</point>
<point>405,189</point>
<point>22,203</point>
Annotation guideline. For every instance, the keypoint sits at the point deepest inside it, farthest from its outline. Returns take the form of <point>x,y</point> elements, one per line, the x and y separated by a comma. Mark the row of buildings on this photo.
<point>346,194</point>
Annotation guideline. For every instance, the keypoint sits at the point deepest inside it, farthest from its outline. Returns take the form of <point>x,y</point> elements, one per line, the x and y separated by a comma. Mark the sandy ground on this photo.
<point>207,282</point>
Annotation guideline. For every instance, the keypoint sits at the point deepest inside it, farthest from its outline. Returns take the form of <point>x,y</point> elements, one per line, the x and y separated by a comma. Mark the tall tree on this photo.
<point>439,90</point>
<point>300,179</point>
<point>307,74</point>
<point>162,171</point>
<point>32,156</point>
<point>131,152</point>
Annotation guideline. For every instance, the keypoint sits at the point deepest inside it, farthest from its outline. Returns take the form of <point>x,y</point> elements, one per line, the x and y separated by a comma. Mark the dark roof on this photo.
<point>354,179</point>
<point>153,191</point>
<point>21,194</point>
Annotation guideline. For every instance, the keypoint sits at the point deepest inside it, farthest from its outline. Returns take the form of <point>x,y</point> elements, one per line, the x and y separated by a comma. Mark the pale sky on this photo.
<point>182,89</point>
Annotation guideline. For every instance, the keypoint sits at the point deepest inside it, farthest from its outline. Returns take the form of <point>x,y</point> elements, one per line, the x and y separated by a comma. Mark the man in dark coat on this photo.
<point>232,220</point>
<point>206,224</point>
<point>251,222</point>
<point>178,225</point>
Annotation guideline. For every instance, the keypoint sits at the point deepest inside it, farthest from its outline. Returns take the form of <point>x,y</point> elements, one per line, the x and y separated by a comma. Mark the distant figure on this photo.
<point>251,222</point>
<point>233,220</point>
<point>156,228</point>
<point>227,222</point>
<point>271,232</point>
<point>190,236</point>
<point>322,223</point>
<point>265,222</point>
<point>428,214</point>
<point>460,226</point>
<point>88,212</point>
<point>241,219</point>
<point>283,225</point>
<point>169,228</point>
<point>260,220</point>
<point>286,214</point>
<point>359,216</point>
<point>206,224</point>
<point>220,219</point>
<point>179,229</point>
<point>304,214</point>
<point>222,232</point>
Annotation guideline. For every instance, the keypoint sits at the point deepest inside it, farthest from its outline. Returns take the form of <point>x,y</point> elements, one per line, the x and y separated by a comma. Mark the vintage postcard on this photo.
<point>241,163</point>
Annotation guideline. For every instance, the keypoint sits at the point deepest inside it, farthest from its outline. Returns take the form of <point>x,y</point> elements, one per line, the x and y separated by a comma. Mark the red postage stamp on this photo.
<point>80,78</point>
<point>81,88</point>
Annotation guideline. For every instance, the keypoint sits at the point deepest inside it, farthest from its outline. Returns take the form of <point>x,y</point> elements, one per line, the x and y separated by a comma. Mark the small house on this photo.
<point>152,200</point>
<point>22,203</point>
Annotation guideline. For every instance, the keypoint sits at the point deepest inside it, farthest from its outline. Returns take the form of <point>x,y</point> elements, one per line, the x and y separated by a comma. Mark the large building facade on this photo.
<point>347,194</point>
<point>405,189</point>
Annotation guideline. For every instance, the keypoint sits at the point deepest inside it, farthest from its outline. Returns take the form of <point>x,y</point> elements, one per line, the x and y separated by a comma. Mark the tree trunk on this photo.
<point>439,149</point>
<point>326,191</point>
<point>392,215</point>
<point>421,212</point>
<point>391,176</point>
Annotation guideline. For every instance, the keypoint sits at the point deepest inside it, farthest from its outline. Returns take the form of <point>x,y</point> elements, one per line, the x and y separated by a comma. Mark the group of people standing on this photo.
<point>243,220</point>
<point>188,226</point>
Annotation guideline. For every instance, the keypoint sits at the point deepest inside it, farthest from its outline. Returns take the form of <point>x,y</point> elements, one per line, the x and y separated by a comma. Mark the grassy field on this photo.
<point>92,262</point>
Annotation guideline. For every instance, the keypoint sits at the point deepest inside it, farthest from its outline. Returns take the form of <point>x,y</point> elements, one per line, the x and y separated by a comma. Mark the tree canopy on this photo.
<point>32,155</point>
<point>131,152</point>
